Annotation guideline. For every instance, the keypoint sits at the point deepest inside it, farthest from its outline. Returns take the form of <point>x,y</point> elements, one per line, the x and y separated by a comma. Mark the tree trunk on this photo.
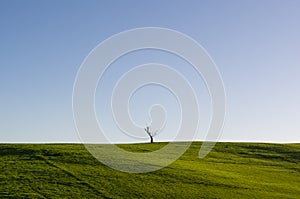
<point>151,139</point>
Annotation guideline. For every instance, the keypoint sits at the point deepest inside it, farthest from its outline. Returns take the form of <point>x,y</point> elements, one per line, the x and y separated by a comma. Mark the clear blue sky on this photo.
<point>256,45</point>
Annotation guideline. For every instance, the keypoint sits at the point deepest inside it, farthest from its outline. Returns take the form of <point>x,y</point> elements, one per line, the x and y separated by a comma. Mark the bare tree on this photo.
<point>151,134</point>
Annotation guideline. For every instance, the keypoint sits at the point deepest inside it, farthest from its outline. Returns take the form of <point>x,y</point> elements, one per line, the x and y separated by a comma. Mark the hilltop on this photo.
<point>231,170</point>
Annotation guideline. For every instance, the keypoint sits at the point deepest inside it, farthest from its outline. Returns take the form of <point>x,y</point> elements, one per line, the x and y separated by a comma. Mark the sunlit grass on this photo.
<point>238,170</point>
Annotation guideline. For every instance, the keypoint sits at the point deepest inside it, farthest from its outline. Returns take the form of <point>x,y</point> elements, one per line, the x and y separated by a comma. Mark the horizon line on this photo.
<point>231,141</point>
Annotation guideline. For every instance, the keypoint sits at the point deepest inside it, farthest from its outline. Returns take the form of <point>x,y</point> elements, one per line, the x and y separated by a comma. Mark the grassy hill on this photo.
<point>231,170</point>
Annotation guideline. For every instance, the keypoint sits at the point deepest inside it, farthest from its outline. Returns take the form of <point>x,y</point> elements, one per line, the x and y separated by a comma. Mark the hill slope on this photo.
<point>231,170</point>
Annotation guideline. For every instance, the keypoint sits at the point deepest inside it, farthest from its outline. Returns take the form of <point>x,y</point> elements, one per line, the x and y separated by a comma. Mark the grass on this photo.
<point>231,170</point>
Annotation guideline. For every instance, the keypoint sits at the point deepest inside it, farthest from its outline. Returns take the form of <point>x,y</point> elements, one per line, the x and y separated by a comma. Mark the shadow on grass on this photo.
<point>15,151</point>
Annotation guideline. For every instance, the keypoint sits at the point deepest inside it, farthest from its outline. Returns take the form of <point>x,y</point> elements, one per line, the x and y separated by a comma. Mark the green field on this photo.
<point>231,170</point>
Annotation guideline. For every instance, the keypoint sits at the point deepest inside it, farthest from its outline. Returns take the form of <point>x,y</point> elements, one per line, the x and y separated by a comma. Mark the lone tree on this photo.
<point>151,134</point>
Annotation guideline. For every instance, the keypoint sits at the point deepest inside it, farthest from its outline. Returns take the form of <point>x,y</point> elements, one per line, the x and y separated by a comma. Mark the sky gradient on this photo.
<point>255,44</point>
